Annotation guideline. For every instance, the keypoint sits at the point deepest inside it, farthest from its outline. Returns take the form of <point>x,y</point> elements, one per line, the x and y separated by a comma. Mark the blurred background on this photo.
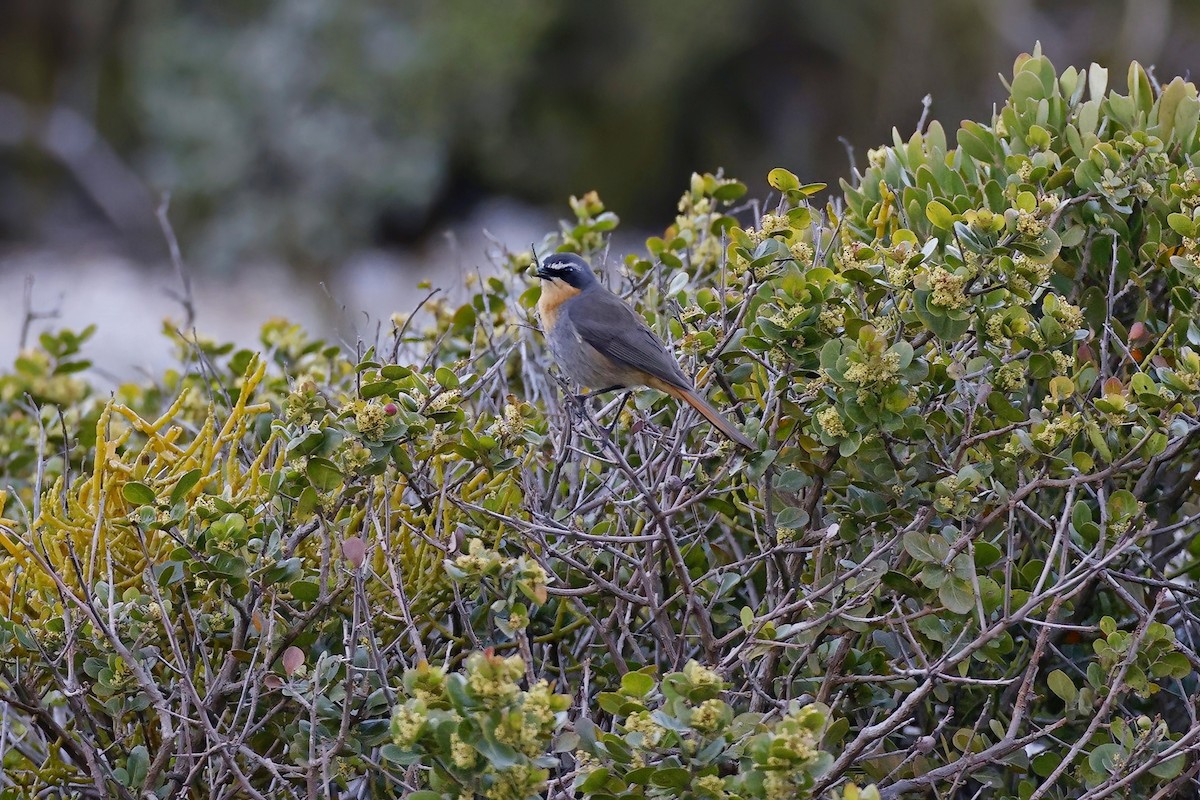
<point>325,157</point>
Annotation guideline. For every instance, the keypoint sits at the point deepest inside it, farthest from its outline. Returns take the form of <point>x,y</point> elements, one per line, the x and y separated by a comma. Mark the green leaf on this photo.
<point>611,702</point>
<point>791,517</point>
<point>1168,769</point>
<point>957,595</point>
<point>672,777</point>
<point>783,180</point>
<point>1182,224</point>
<point>70,367</point>
<point>939,215</point>
<point>917,545</point>
<point>501,755</point>
<point>446,377</point>
<point>1105,757</point>
<point>728,192</point>
<point>637,684</point>
<point>139,494</point>
<point>323,474</point>
<point>594,782</point>
<point>378,389</point>
<point>901,583</point>
<point>185,484</point>
<point>1045,763</point>
<point>137,766</point>
<point>759,463</point>
<point>281,572</point>
<point>1062,685</point>
<point>304,591</point>
<point>746,617</point>
<point>986,554</point>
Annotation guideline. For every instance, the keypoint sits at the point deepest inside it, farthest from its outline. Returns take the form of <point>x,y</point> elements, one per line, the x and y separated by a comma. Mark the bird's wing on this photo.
<point>604,321</point>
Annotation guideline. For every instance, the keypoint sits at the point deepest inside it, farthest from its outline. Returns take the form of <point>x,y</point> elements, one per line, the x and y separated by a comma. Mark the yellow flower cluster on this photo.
<point>784,317</point>
<point>947,289</point>
<point>517,783</point>
<point>802,252</point>
<point>408,720</point>
<point>462,753</point>
<point>1063,363</point>
<point>1034,273</point>
<point>539,704</point>
<point>641,722</point>
<point>878,369</point>
<point>371,420</point>
<point>428,684</point>
<point>1010,377</point>
<point>510,425</point>
<point>1070,316</point>
<point>445,400</point>
<point>710,786</point>
<point>831,422</point>
<point>700,676</point>
<point>775,223</point>
<point>831,321</point>
<point>707,716</point>
<point>1051,433</point>
<point>995,328</point>
<point>898,274</point>
<point>299,404</point>
<point>1029,225</point>
<point>494,677</point>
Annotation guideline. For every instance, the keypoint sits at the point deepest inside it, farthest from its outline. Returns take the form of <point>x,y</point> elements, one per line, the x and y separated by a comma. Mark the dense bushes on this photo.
<point>961,559</point>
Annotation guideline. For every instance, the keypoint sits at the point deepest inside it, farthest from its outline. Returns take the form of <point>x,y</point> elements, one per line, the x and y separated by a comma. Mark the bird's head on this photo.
<point>568,268</point>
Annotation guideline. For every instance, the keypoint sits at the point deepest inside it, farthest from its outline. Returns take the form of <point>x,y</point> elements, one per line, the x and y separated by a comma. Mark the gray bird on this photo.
<point>600,343</point>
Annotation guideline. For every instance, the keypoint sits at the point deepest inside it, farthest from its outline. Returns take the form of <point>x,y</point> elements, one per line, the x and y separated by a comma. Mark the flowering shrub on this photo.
<point>680,739</point>
<point>961,559</point>
<point>478,731</point>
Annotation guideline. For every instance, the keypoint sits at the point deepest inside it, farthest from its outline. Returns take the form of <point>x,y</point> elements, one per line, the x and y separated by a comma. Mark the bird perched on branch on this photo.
<point>602,344</point>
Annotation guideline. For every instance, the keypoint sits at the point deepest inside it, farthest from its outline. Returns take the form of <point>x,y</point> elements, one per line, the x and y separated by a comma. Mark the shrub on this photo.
<point>960,561</point>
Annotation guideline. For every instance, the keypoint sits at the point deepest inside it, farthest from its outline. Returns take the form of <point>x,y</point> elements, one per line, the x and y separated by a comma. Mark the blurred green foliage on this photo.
<point>303,130</point>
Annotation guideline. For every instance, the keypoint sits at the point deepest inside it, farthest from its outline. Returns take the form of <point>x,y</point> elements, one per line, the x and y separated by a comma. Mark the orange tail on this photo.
<point>712,415</point>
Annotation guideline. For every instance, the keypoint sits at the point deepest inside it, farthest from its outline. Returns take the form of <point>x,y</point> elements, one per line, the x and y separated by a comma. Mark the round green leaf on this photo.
<point>138,494</point>
<point>323,474</point>
<point>1062,685</point>
<point>939,215</point>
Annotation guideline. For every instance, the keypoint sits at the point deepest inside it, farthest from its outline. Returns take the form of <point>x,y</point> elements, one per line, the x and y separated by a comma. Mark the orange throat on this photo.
<point>555,292</point>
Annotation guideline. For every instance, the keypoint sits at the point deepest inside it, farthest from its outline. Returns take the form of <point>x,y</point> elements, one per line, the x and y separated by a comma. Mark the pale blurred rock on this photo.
<point>128,302</point>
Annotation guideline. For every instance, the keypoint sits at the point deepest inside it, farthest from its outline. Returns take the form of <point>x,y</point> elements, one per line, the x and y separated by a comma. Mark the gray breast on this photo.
<point>583,363</point>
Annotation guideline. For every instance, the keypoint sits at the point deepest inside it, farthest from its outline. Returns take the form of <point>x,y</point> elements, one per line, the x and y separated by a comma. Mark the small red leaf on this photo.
<point>293,657</point>
<point>1138,331</point>
<point>355,550</point>
<point>273,682</point>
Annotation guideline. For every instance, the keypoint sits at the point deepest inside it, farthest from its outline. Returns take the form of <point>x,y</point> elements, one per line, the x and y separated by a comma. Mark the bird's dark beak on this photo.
<point>541,272</point>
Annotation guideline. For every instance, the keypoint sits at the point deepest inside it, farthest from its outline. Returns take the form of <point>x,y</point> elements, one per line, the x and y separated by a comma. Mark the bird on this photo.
<point>602,344</point>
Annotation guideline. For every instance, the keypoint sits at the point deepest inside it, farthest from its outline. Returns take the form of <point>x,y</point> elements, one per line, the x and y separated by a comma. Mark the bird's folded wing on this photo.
<point>610,326</point>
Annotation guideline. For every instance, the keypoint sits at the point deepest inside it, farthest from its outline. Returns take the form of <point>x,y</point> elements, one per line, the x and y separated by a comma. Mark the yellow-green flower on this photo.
<point>831,422</point>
